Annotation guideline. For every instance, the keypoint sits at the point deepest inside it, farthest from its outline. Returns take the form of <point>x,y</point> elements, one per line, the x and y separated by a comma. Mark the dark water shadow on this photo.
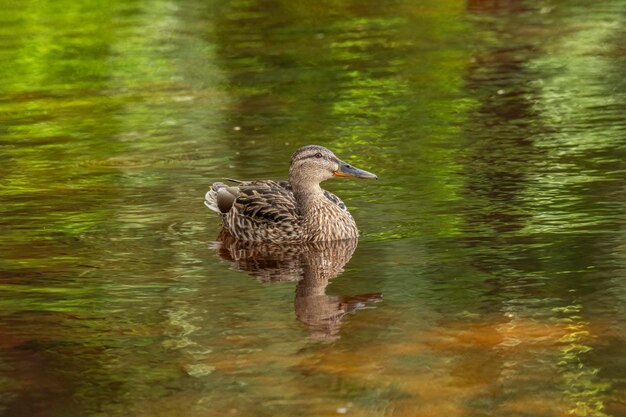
<point>312,265</point>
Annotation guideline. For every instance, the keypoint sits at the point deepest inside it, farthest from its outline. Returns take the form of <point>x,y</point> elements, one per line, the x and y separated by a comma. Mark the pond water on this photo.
<point>490,276</point>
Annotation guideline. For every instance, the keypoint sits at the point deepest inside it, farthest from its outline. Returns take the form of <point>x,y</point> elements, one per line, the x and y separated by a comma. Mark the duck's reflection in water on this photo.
<point>312,265</point>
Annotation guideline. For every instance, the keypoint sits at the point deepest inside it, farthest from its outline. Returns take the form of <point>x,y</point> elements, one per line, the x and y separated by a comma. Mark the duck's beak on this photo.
<point>346,170</point>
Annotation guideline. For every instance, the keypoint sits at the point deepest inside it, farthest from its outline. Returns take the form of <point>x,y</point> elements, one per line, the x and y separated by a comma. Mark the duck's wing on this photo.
<point>266,201</point>
<point>260,210</point>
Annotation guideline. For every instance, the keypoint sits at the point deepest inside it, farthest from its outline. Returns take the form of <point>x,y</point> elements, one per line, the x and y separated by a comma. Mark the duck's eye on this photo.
<point>318,155</point>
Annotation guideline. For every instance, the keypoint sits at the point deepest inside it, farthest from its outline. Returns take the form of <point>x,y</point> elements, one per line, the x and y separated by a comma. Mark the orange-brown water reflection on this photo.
<point>482,366</point>
<point>492,366</point>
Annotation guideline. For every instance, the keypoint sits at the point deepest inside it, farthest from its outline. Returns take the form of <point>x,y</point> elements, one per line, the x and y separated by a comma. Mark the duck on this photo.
<point>293,211</point>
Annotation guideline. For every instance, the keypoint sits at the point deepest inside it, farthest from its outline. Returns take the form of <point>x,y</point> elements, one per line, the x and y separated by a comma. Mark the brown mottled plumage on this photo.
<point>295,211</point>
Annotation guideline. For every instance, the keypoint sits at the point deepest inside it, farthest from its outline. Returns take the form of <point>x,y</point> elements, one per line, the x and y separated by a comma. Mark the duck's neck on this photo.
<point>307,194</point>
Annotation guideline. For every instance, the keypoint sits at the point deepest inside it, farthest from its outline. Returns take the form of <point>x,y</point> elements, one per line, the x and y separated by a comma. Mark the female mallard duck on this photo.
<point>295,211</point>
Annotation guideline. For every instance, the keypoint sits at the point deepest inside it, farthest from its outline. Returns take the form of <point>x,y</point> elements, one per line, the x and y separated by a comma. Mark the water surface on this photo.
<point>489,277</point>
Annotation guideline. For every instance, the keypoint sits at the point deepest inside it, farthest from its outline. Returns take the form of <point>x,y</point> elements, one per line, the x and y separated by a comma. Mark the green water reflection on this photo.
<point>495,233</point>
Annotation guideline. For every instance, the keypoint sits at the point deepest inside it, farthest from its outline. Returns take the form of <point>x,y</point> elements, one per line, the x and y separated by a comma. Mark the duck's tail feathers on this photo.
<point>220,198</point>
<point>210,200</point>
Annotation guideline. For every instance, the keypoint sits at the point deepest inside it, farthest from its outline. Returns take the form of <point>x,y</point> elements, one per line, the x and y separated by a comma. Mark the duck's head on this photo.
<point>313,164</point>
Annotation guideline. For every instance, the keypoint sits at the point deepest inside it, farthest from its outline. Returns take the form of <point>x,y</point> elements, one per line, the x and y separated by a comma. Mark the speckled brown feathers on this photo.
<point>267,211</point>
<point>263,211</point>
<point>295,211</point>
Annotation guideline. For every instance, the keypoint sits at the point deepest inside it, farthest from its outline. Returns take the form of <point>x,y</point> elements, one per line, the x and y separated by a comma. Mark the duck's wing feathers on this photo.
<point>266,201</point>
<point>263,211</point>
